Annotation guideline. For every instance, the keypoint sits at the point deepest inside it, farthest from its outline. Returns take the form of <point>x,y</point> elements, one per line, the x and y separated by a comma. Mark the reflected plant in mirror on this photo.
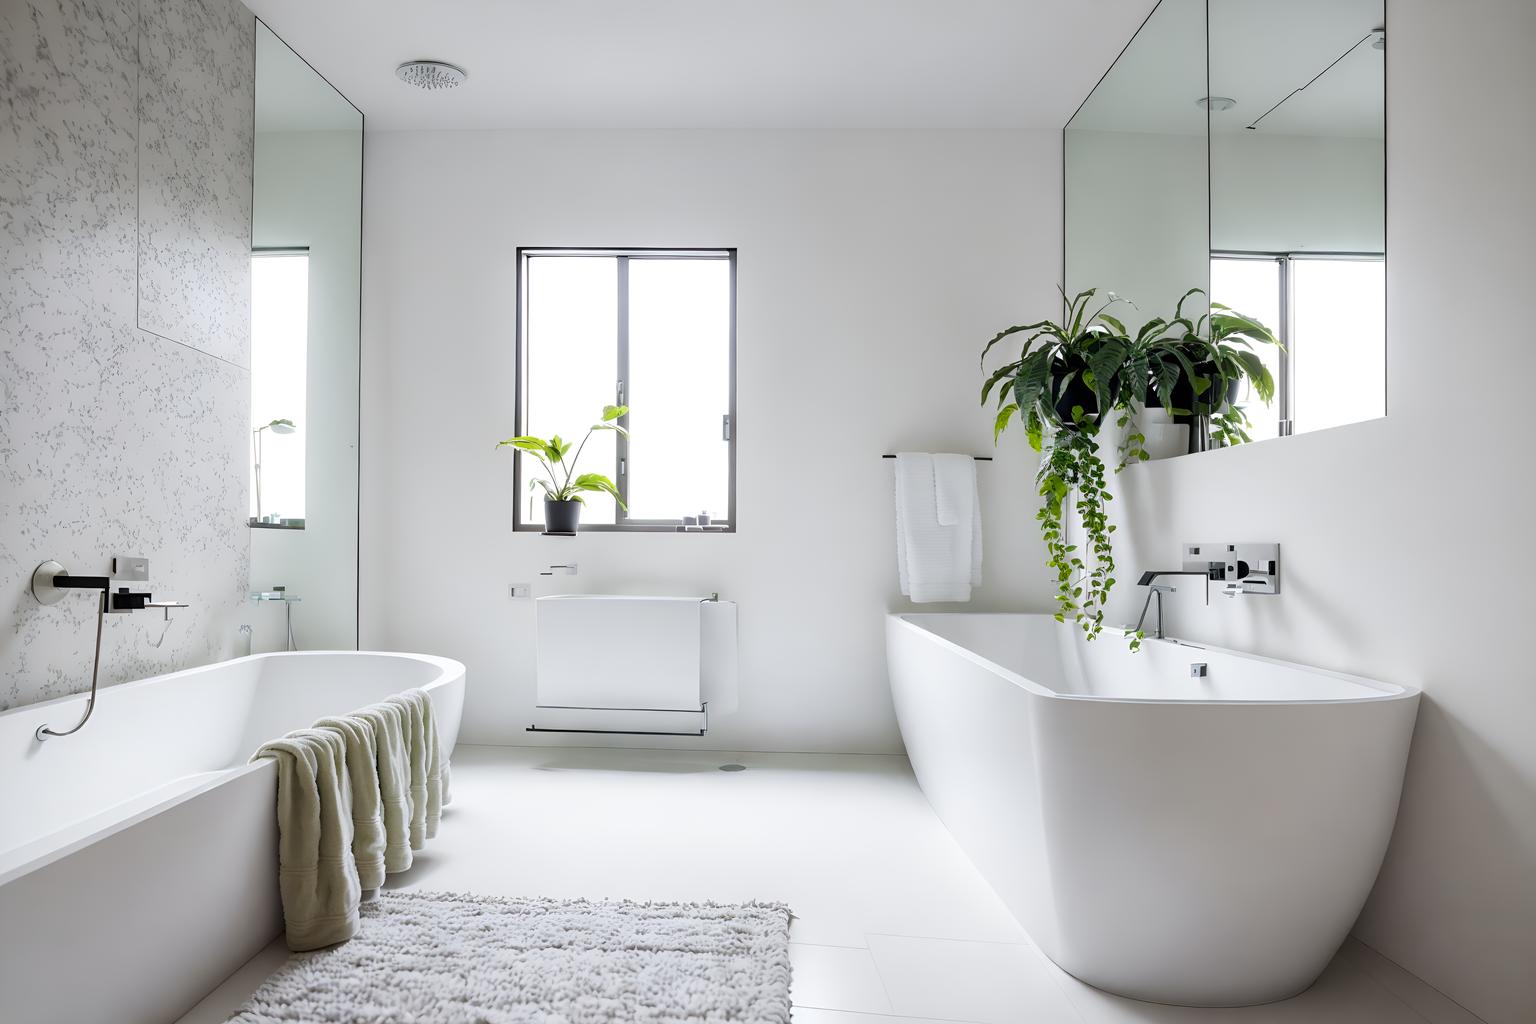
<point>1240,145</point>
<point>1195,369</point>
<point>563,494</point>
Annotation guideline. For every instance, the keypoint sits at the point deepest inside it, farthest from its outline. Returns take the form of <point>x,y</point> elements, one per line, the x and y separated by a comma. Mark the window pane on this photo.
<point>679,387</point>
<point>1340,341</point>
<point>1252,288</point>
<point>279,347</point>
<point>572,366</point>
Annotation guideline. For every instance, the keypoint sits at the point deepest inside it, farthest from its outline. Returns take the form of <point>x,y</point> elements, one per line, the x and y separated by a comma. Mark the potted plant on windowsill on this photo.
<point>563,493</point>
<point>1067,381</point>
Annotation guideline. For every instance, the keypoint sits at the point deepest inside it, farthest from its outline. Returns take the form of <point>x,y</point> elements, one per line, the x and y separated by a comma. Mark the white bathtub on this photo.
<point>138,857</point>
<point>1199,841</point>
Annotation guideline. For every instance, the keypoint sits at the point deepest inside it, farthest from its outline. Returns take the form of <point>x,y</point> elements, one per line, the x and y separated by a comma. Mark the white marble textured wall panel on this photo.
<point>112,440</point>
<point>197,74</point>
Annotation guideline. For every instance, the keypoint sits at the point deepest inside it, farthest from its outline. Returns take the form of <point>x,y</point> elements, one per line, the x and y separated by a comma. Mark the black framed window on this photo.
<point>1329,311</point>
<point>650,329</point>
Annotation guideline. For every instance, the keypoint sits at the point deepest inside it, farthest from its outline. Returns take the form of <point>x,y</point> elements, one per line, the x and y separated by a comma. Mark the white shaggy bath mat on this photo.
<point>450,958</point>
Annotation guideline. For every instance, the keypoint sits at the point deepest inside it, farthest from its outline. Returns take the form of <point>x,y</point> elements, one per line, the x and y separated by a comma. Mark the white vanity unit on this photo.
<point>611,663</point>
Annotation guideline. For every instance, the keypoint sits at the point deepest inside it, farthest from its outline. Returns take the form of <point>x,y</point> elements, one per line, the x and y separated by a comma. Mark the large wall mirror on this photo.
<point>305,280</point>
<point>1238,146</point>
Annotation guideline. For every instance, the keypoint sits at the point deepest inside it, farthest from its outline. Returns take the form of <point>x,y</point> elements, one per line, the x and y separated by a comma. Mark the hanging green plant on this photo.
<point>1069,378</point>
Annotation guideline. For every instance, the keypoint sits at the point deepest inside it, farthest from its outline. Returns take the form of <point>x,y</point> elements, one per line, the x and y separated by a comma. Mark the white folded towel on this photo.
<point>317,876</point>
<point>938,526</point>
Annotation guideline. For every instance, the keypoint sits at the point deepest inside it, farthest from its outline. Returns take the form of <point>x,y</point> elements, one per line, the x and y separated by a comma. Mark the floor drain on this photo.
<point>733,767</point>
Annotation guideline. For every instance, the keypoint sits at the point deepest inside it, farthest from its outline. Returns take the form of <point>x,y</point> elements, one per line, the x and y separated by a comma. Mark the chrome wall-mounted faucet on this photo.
<point>51,581</point>
<point>1242,568</point>
<point>1157,590</point>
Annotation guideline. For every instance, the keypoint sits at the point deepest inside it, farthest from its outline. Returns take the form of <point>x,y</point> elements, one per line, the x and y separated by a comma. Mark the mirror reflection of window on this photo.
<point>1338,340</point>
<point>1251,286</point>
<point>1329,312</point>
<point>279,354</point>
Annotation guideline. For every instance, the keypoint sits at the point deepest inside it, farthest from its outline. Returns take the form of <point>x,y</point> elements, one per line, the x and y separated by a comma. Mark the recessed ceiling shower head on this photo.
<point>1216,103</point>
<point>431,74</point>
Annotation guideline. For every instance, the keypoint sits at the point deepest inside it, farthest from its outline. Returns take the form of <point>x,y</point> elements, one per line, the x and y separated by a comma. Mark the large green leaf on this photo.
<point>597,482</point>
<point>1001,423</point>
<point>1075,310</point>
<point>997,375</point>
<point>613,412</point>
<point>1229,324</point>
<point>1258,373</point>
<point>527,443</point>
<point>1030,383</point>
<point>1178,310</point>
<point>1105,363</point>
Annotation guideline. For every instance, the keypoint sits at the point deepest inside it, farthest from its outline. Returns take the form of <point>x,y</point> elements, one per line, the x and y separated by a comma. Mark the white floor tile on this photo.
<point>836,978</point>
<point>813,1015</point>
<point>1428,1001</point>
<point>848,842</point>
<point>1345,994</point>
<point>986,982</point>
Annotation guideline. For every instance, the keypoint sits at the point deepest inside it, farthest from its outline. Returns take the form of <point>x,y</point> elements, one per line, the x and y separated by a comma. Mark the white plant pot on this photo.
<point>1166,440</point>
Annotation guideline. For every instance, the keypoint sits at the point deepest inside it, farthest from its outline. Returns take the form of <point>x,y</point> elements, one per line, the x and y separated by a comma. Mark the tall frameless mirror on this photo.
<point>1238,146</point>
<point>305,319</point>
<point>1298,199</point>
<point>1135,160</point>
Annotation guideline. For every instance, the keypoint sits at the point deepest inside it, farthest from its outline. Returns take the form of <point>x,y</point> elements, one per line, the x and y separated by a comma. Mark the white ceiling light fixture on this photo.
<point>431,74</point>
<point>1216,103</point>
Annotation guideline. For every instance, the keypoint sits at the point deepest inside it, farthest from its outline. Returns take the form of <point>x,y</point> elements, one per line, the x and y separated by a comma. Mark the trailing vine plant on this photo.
<point>1072,377</point>
<point>1067,381</point>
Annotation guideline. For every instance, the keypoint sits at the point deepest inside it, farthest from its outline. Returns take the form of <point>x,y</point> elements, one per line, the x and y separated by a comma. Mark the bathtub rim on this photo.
<point>1387,692</point>
<point>449,672</point>
<point>447,666</point>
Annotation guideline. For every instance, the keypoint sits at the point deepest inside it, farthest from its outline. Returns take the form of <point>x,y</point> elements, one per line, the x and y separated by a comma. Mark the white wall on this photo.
<point>1407,540</point>
<point>872,267</point>
<point>306,194</point>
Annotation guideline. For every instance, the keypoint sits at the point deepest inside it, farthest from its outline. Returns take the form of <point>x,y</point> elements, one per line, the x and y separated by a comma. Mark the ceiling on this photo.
<point>1260,52</point>
<point>713,63</point>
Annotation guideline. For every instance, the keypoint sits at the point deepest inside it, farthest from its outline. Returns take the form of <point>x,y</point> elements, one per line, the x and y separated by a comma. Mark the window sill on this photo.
<point>274,526</point>
<point>632,528</point>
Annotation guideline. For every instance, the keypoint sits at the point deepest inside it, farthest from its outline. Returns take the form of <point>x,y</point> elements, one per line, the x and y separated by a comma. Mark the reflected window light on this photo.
<point>1329,312</point>
<point>279,354</point>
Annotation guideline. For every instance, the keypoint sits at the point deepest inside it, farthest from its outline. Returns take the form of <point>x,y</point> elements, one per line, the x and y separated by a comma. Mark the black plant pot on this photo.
<point>1069,394</point>
<point>561,516</point>
<point>1183,396</point>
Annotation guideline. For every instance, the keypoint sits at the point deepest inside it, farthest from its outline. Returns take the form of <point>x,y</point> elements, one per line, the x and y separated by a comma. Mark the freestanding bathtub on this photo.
<point>138,857</point>
<point>1197,840</point>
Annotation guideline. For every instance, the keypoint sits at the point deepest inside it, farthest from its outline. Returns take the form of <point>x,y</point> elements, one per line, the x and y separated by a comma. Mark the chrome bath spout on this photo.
<point>43,732</point>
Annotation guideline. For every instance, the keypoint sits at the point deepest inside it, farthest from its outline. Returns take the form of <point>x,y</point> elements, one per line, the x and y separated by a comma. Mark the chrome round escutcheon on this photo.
<point>42,582</point>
